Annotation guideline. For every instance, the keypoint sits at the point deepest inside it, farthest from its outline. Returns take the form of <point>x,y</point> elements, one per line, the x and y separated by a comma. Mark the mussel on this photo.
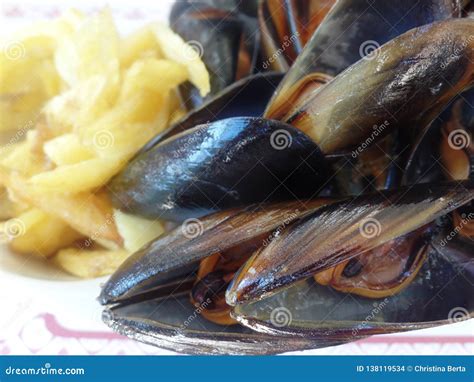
<point>275,252</point>
<point>149,296</point>
<point>352,30</point>
<point>286,26</point>
<point>173,179</point>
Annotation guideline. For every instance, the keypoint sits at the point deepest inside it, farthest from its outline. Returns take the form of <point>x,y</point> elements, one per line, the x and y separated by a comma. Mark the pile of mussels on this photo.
<point>322,192</point>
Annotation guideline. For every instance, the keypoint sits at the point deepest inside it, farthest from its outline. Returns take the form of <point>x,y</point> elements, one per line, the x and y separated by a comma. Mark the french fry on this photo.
<point>113,135</point>
<point>40,234</point>
<point>140,44</point>
<point>175,49</point>
<point>90,264</point>
<point>137,78</point>
<point>79,177</point>
<point>24,159</point>
<point>136,231</point>
<point>8,207</point>
<point>77,105</point>
<point>87,213</point>
<point>66,150</point>
<point>80,105</point>
<point>93,49</point>
<point>28,79</point>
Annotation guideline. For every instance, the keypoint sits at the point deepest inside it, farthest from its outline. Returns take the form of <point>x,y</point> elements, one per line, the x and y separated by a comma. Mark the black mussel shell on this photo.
<point>224,164</point>
<point>341,231</point>
<point>174,256</point>
<point>442,293</point>
<point>247,97</point>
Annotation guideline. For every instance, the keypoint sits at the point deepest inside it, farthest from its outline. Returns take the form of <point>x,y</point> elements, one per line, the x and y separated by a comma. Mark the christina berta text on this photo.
<point>439,369</point>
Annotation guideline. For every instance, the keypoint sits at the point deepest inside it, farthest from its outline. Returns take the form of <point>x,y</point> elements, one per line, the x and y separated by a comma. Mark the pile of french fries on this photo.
<point>77,101</point>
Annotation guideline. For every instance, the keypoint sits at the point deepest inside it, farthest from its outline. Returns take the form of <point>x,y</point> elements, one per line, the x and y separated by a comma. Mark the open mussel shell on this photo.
<point>286,26</point>
<point>442,293</point>
<point>341,231</point>
<point>456,144</point>
<point>410,80</point>
<point>247,97</point>
<point>148,298</point>
<point>424,164</point>
<point>174,257</point>
<point>446,151</point>
<point>229,163</point>
<point>174,323</point>
<point>352,30</point>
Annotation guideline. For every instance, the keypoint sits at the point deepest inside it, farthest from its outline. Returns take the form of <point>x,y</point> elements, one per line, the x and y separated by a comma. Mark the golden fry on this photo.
<point>136,231</point>
<point>89,264</point>
<point>89,214</point>
<point>39,234</point>
<point>77,104</point>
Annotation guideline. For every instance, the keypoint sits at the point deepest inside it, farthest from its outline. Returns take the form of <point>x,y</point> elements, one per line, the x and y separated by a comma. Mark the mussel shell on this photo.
<point>224,164</point>
<point>352,29</point>
<point>341,231</point>
<point>175,255</point>
<point>247,97</point>
<point>442,293</point>
<point>406,85</point>
<point>174,323</point>
<point>307,315</point>
<point>426,163</point>
<point>286,26</point>
<point>248,7</point>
